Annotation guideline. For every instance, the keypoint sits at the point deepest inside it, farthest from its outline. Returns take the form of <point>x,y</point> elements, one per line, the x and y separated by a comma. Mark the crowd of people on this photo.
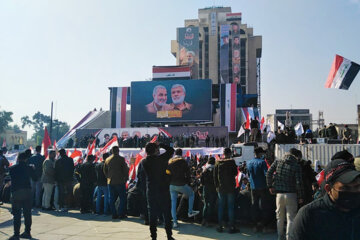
<point>138,141</point>
<point>212,190</point>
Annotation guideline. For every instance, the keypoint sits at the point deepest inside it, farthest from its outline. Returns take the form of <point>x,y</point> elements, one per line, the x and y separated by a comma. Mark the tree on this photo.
<point>5,119</point>
<point>38,123</point>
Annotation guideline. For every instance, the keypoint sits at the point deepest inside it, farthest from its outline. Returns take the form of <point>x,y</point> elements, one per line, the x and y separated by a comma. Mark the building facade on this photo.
<point>290,117</point>
<point>225,50</point>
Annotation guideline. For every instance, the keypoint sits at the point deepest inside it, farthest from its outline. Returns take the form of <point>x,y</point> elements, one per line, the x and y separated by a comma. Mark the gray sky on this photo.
<point>71,51</point>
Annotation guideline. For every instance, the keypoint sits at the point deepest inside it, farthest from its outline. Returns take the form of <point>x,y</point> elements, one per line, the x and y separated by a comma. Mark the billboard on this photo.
<point>224,53</point>
<point>188,39</point>
<point>235,34</point>
<point>171,101</point>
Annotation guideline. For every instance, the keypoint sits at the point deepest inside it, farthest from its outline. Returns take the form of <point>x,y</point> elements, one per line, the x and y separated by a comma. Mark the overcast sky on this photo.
<point>71,51</point>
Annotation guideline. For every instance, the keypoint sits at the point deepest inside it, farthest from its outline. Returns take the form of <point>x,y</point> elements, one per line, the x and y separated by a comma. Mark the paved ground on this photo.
<point>73,225</point>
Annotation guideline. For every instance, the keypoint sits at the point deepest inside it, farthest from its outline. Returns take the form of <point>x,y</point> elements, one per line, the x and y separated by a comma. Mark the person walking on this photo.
<point>21,201</point>
<point>157,186</point>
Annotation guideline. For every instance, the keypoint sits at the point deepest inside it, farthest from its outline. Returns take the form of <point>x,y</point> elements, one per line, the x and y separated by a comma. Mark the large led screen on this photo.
<point>171,101</point>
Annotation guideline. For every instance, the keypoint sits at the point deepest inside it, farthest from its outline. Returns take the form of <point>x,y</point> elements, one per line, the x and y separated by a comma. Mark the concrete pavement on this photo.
<point>75,226</point>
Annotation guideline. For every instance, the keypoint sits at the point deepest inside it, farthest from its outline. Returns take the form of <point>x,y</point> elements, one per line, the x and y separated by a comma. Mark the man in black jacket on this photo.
<point>87,178</point>
<point>102,188</point>
<point>209,191</point>
<point>64,175</point>
<point>337,214</point>
<point>179,173</point>
<point>225,172</point>
<point>36,186</point>
<point>21,174</point>
<point>157,189</point>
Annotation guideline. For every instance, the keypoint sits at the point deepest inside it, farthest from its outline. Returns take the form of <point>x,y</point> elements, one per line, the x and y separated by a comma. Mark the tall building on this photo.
<point>219,47</point>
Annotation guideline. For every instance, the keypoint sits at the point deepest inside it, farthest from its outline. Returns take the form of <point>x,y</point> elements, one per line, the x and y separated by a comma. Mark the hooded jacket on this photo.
<point>225,172</point>
<point>178,171</point>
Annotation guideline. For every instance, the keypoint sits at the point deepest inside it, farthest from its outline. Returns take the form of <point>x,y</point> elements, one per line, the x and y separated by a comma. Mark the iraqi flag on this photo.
<point>262,124</point>
<point>342,73</point>
<point>171,72</point>
<point>119,97</point>
<point>76,155</point>
<point>320,177</point>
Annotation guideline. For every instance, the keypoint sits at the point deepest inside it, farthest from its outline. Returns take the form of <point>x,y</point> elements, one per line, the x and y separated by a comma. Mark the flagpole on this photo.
<point>51,120</point>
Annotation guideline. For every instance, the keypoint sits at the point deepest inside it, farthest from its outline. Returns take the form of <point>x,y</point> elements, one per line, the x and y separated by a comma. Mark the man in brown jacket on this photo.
<point>117,173</point>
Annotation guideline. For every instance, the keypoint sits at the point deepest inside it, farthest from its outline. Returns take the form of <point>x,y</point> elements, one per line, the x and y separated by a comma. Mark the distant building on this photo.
<point>13,138</point>
<point>238,60</point>
<point>291,117</point>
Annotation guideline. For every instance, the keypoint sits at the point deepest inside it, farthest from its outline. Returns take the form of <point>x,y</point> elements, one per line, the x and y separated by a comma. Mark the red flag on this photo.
<point>320,177</point>
<point>167,134</point>
<point>54,144</point>
<point>188,153</point>
<point>247,125</point>
<point>113,142</point>
<point>217,157</point>
<point>133,168</point>
<point>76,156</point>
<point>91,148</point>
<point>46,143</point>
<point>262,126</point>
<point>154,139</point>
<point>237,179</point>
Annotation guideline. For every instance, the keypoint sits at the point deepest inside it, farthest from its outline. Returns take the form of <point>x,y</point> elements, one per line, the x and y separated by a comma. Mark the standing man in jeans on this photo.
<point>287,185</point>
<point>64,176</point>
<point>117,173</point>
<point>257,172</point>
<point>48,180</point>
<point>102,188</point>
<point>21,175</point>
<point>36,186</point>
<point>225,172</point>
<point>157,186</point>
<point>179,173</point>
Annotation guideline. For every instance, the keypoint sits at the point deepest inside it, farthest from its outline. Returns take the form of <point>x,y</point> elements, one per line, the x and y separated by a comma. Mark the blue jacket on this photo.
<point>257,172</point>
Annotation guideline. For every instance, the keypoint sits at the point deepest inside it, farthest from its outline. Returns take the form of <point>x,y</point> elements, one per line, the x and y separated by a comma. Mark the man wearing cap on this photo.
<point>337,214</point>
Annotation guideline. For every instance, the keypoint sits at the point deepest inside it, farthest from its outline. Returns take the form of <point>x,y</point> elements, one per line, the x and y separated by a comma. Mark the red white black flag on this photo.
<point>342,73</point>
